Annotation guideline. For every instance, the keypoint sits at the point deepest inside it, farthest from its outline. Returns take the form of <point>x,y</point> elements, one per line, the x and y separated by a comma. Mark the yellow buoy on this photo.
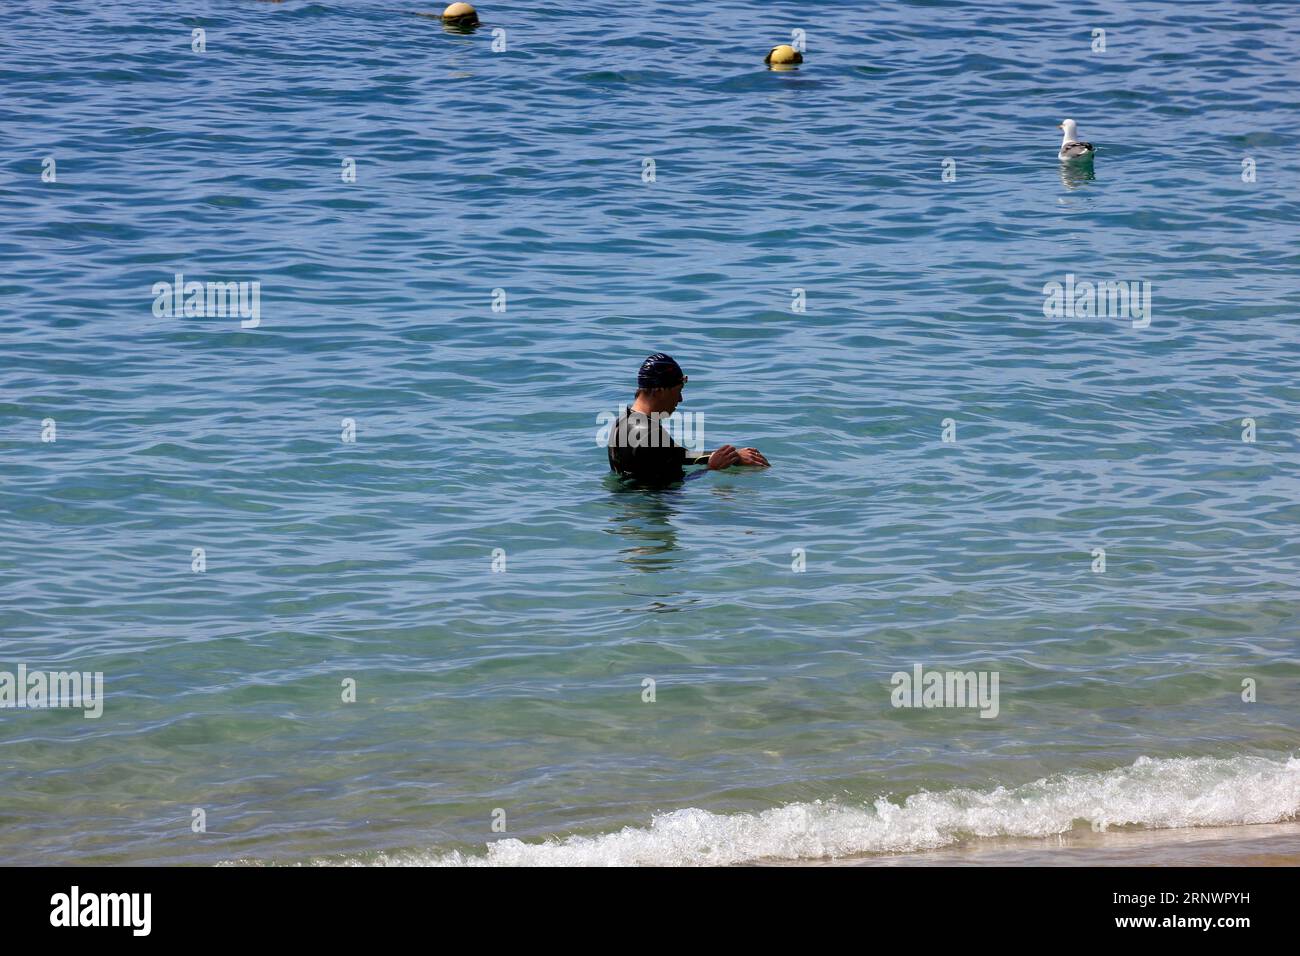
<point>783,55</point>
<point>460,15</point>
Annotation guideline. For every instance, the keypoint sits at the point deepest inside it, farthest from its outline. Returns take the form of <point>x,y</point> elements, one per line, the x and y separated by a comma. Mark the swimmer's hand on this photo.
<point>726,456</point>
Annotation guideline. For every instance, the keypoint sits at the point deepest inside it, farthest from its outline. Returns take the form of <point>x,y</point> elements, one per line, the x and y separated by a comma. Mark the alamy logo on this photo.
<point>1099,300</point>
<point>205,300</point>
<point>103,909</point>
<point>923,688</point>
<point>639,430</point>
<point>38,690</point>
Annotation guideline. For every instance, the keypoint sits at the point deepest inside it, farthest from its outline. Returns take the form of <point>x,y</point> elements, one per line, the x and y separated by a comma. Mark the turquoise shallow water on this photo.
<point>772,733</point>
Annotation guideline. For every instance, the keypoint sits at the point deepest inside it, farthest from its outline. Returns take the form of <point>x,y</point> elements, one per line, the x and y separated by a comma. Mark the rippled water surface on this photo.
<point>482,693</point>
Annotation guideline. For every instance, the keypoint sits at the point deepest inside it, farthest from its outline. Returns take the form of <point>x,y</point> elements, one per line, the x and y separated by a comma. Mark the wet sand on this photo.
<point>1272,844</point>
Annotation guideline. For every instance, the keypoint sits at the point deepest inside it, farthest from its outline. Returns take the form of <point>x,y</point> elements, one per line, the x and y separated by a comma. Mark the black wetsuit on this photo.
<point>639,449</point>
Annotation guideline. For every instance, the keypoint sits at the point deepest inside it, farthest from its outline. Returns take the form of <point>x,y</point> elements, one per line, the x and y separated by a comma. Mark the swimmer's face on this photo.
<point>674,394</point>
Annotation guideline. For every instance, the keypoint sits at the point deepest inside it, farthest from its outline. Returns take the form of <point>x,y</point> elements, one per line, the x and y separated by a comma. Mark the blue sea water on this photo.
<point>498,601</point>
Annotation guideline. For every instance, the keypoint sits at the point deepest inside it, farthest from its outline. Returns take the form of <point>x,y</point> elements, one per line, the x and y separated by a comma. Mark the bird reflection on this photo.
<point>1074,175</point>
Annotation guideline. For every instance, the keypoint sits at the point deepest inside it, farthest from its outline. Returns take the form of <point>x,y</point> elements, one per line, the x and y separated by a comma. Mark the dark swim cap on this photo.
<point>659,371</point>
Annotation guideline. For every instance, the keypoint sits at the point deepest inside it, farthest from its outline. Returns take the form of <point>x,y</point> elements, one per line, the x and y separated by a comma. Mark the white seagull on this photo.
<point>1072,149</point>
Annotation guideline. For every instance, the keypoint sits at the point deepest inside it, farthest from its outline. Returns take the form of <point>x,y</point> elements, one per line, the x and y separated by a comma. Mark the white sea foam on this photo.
<point>1153,794</point>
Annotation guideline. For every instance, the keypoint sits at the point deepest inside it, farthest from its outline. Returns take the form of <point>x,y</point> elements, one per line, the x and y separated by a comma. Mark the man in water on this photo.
<point>638,446</point>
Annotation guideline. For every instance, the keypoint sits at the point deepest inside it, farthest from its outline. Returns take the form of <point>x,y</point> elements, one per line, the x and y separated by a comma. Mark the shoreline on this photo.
<point>1260,844</point>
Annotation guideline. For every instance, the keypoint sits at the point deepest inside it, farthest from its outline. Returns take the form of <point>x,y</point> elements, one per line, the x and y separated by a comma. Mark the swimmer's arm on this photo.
<point>727,455</point>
